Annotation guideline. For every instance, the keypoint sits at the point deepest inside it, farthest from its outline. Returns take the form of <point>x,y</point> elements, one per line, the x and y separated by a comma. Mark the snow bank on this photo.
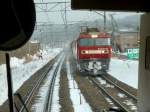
<point>22,71</point>
<point>125,71</point>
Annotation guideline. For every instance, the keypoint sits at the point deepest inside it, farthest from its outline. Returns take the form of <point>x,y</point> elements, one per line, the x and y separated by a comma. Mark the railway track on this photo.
<point>26,103</point>
<point>121,89</point>
<point>49,97</point>
<point>119,96</point>
<point>29,97</point>
<point>50,85</point>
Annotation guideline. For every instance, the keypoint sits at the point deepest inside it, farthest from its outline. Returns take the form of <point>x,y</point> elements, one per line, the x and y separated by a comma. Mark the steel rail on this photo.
<point>120,88</point>
<point>50,92</point>
<point>29,97</point>
<point>48,102</point>
<point>111,97</point>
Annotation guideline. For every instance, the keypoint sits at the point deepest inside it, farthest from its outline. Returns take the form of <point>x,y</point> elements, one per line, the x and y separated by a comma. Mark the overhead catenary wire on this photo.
<point>104,16</point>
<point>46,10</point>
<point>53,11</point>
<point>39,3</point>
<point>62,16</point>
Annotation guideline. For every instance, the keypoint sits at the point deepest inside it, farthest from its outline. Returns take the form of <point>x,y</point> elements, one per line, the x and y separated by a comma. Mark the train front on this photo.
<point>94,52</point>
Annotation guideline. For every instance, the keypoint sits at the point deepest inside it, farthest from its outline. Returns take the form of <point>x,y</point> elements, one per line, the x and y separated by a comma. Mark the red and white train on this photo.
<point>93,51</point>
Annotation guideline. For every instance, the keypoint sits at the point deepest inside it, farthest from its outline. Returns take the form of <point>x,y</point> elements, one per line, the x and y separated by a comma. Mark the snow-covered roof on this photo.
<point>34,41</point>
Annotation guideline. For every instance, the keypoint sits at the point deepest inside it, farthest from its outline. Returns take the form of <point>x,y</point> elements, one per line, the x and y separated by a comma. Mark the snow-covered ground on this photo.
<point>78,100</point>
<point>21,71</point>
<point>125,71</point>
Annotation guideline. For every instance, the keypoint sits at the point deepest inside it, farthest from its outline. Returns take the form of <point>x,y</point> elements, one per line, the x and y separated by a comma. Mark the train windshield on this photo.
<point>95,42</point>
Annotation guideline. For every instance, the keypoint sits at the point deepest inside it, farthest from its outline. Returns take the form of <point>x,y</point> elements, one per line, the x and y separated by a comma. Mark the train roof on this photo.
<point>94,35</point>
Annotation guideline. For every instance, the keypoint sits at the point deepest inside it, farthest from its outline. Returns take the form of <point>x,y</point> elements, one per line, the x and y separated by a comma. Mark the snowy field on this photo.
<point>125,71</point>
<point>21,71</point>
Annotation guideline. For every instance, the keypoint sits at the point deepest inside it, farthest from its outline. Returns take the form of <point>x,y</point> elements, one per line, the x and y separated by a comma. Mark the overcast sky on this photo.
<point>71,16</point>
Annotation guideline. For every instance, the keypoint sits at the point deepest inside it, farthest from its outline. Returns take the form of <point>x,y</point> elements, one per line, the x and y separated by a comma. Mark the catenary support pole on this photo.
<point>10,86</point>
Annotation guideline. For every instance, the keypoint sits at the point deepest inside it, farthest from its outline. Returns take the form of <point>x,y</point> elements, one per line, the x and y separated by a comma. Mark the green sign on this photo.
<point>133,53</point>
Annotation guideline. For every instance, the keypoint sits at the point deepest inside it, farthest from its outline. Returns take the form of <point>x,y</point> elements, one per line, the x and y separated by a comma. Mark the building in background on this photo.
<point>30,48</point>
<point>128,40</point>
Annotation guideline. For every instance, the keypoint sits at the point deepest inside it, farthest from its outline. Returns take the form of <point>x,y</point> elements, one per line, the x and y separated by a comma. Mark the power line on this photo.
<point>39,3</point>
<point>53,7</point>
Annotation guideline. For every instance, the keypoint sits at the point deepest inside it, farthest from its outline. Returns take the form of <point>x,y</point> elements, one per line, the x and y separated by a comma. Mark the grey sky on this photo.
<point>72,16</point>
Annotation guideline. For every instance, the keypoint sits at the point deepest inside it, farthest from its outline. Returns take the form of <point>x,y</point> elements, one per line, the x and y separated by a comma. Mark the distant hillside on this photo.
<point>126,22</point>
<point>129,22</point>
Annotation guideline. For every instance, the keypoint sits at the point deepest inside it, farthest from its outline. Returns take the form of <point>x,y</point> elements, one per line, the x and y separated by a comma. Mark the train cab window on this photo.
<point>95,42</point>
<point>86,42</point>
<point>102,41</point>
<point>61,48</point>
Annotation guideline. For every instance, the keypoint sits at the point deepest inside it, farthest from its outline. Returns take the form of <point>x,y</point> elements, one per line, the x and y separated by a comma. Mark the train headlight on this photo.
<point>102,51</point>
<point>84,52</point>
<point>94,36</point>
